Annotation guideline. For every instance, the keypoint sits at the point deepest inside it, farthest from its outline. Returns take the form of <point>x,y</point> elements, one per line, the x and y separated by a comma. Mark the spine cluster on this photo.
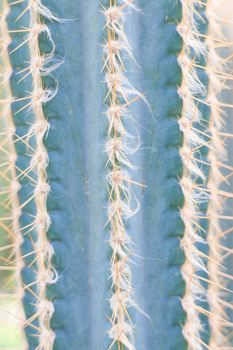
<point>121,94</point>
<point>38,67</point>
<point>206,276</point>
<point>192,124</point>
<point>39,162</point>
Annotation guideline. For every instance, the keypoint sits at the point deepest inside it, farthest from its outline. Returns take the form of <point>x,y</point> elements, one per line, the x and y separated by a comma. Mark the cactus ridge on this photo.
<point>193,182</point>
<point>35,171</point>
<point>120,95</point>
<point>205,274</point>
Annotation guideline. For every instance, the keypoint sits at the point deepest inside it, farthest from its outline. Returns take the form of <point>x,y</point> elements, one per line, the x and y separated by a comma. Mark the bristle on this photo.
<point>36,173</point>
<point>9,204</point>
<point>120,94</point>
<point>39,162</point>
<point>218,272</point>
<point>197,187</point>
<point>193,93</point>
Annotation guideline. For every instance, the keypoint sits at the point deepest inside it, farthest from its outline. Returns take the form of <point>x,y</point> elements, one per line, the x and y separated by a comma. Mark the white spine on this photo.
<point>120,95</point>
<point>193,93</point>
<point>9,184</point>
<point>39,66</point>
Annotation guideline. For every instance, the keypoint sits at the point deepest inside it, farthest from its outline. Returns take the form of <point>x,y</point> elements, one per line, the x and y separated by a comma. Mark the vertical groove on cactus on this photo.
<point>120,95</point>
<point>217,157</point>
<point>9,185</point>
<point>193,182</point>
<point>35,170</point>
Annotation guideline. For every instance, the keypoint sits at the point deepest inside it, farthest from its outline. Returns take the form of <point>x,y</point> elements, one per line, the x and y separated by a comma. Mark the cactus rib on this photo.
<point>39,161</point>
<point>120,95</point>
<point>35,172</point>
<point>193,182</point>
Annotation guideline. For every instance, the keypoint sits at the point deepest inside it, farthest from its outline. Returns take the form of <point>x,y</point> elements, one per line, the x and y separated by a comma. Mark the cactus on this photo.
<point>10,237</point>
<point>114,173</point>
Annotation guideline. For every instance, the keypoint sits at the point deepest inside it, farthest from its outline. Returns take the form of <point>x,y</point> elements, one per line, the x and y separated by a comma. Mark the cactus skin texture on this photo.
<point>83,261</point>
<point>160,285</point>
<point>19,59</point>
<point>63,169</point>
<point>77,162</point>
<point>78,199</point>
<point>78,196</point>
